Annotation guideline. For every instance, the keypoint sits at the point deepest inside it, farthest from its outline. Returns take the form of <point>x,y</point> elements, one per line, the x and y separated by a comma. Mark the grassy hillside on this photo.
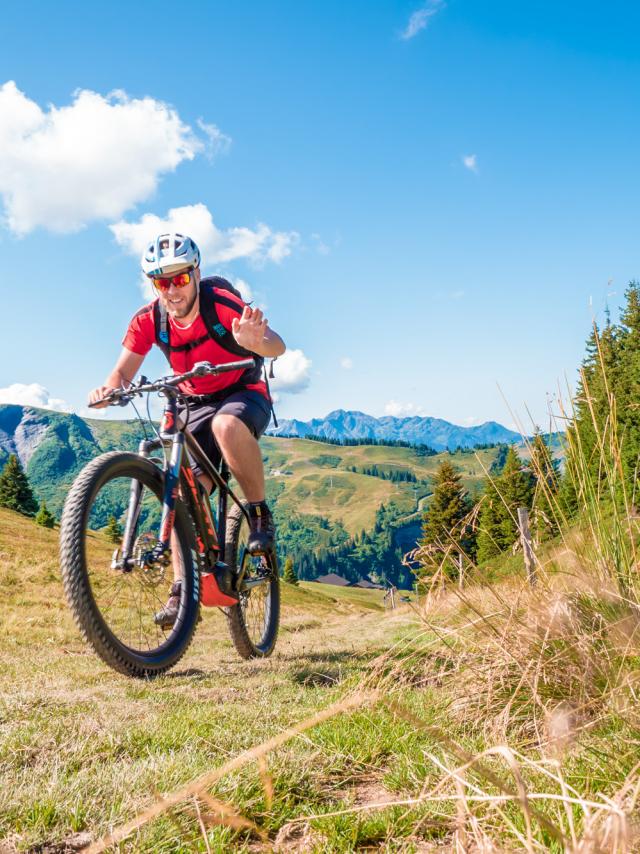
<point>494,718</point>
<point>83,747</point>
<point>316,480</point>
<point>306,477</point>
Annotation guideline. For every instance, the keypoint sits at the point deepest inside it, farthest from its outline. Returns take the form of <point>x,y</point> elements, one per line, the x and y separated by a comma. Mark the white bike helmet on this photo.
<point>168,254</point>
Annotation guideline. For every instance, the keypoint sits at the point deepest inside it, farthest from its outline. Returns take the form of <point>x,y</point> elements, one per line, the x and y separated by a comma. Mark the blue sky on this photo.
<point>431,199</point>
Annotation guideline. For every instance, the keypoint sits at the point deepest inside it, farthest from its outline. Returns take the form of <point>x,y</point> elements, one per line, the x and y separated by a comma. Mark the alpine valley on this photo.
<point>347,498</point>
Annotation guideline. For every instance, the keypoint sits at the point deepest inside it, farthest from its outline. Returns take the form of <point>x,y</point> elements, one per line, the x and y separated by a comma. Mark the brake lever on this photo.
<point>202,369</point>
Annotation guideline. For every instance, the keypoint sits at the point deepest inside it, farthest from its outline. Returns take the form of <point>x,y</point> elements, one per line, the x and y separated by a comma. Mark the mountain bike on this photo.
<point>153,509</point>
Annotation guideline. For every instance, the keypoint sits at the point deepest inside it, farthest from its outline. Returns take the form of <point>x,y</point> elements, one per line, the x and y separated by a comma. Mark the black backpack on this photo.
<point>215,330</point>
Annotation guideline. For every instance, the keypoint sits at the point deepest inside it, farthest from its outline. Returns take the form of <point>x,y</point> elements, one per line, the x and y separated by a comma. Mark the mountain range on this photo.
<point>417,430</point>
<point>321,494</point>
<point>54,446</point>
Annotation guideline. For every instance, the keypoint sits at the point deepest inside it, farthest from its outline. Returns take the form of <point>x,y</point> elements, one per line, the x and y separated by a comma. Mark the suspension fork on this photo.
<point>169,432</point>
<point>124,559</point>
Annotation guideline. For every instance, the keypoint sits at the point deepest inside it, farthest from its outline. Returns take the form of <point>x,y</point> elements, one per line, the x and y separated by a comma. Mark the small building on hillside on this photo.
<point>332,578</point>
<point>368,585</point>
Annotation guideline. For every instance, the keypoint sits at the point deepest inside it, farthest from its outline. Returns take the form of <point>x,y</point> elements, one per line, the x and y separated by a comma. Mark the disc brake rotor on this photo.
<point>151,572</point>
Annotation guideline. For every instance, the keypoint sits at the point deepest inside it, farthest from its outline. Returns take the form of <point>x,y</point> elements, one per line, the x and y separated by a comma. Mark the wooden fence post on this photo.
<point>527,545</point>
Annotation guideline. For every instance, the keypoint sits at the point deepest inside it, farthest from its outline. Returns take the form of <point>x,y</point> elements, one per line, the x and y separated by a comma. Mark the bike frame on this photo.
<point>179,476</point>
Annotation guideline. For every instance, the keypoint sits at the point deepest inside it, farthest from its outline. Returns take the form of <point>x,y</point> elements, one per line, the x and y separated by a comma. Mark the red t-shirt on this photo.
<point>141,336</point>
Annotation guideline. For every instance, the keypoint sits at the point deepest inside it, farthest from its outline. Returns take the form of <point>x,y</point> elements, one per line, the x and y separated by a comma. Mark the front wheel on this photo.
<point>254,621</point>
<point>115,607</point>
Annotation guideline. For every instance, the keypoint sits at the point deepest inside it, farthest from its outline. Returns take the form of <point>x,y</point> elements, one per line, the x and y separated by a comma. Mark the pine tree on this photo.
<point>44,517</point>
<point>15,492</point>
<point>113,530</point>
<point>289,573</point>
<point>490,524</point>
<point>545,499</point>
<point>497,527</point>
<point>443,529</point>
<point>516,490</point>
<point>599,377</point>
<point>627,383</point>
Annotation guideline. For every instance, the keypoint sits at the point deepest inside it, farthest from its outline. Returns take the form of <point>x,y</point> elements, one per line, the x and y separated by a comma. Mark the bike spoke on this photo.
<point>128,599</point>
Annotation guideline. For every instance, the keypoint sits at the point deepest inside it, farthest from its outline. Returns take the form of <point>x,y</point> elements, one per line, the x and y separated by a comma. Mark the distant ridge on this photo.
<point>438,434</point>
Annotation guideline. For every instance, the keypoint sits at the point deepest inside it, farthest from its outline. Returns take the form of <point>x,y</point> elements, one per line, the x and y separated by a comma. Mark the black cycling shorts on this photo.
<point>251,407</point>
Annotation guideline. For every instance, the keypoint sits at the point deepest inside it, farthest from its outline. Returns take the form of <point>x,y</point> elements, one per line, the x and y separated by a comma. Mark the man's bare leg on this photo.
<point>241,451</point>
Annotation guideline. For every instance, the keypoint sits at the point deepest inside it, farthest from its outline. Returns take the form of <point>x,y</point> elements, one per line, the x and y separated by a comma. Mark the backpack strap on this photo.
<point>208,301</point>
<point>162,330</point>
<point>216,330</point>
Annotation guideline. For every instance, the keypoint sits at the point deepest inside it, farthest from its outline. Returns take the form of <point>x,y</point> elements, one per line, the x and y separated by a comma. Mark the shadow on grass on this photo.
<point>317,678</point>
<point>189,673</point>
<point>333,657</point>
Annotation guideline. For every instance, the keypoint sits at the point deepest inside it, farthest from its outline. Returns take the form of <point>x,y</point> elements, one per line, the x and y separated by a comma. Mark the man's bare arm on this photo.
<point>272,345</point>
<point>125,369</point>
<point>252,331</point>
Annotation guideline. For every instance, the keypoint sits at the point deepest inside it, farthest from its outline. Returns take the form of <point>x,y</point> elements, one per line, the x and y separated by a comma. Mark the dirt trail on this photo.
<point>78,740</point>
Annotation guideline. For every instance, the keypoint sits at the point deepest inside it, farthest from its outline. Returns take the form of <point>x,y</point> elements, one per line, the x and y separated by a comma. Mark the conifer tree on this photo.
<point>567,489</point>
<point>545,471</point>
<point>44,517</point>
<point>113,530</point>
<point>599,377</point>
<point>15,491</point>
<point>627,382</point>
<point>443,529</point>
<point>497,527</point>
<point>516,490</point>
<point>490,524</point>
<point>289,574</point>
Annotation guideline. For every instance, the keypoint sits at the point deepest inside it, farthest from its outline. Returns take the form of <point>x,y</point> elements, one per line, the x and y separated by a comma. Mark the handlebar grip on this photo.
<point>236,366</point>
<point>207,368</point>
<point>116,397</point>
<point>107,399</point>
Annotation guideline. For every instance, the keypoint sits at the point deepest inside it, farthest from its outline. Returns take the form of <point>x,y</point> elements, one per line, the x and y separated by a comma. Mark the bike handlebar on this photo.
<point>121,397</point>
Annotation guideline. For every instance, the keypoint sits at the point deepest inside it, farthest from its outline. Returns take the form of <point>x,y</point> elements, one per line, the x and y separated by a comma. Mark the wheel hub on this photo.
<point>152,567</point>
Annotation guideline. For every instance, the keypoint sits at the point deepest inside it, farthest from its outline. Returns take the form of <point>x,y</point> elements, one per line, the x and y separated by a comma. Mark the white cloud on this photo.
<point>470,161</point>
<point>471,421</point>
<point>403,410</point>
<point>419,20</point>
<point>346,362</point>
<point>63,167</point>
<point>320,245</point>
<point>32,394</point>
<point>292,372</point>
<point>87,412</point>
<point>218,246</point>
<point>244,288</point>
<point>217,142</point>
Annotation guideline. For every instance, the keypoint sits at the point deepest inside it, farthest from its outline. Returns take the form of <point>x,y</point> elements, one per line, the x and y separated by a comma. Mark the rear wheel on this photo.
<point>254,621</point>
<point>113,607</point>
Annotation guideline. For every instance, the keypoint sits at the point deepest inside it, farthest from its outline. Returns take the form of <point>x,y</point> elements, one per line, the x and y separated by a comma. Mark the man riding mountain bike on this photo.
<point>196,319</point>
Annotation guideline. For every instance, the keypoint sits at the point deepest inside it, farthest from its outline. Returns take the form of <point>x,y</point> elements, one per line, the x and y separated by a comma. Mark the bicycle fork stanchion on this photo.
<point>122,558</point>
<point>169,433</point>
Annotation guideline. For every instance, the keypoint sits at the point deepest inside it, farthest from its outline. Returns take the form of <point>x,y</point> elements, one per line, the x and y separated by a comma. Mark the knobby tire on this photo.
<point>238,616</point>
<point>74,533</point>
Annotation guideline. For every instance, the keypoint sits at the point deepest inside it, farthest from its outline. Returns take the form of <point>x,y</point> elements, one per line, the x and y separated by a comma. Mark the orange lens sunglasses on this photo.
<point>179,281</point>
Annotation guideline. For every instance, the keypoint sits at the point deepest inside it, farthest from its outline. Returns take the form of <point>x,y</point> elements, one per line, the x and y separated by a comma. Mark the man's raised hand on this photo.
<point>249,330</point>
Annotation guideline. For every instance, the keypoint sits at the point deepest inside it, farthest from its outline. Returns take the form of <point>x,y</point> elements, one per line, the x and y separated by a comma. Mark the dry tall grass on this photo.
<point>502,718</point>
